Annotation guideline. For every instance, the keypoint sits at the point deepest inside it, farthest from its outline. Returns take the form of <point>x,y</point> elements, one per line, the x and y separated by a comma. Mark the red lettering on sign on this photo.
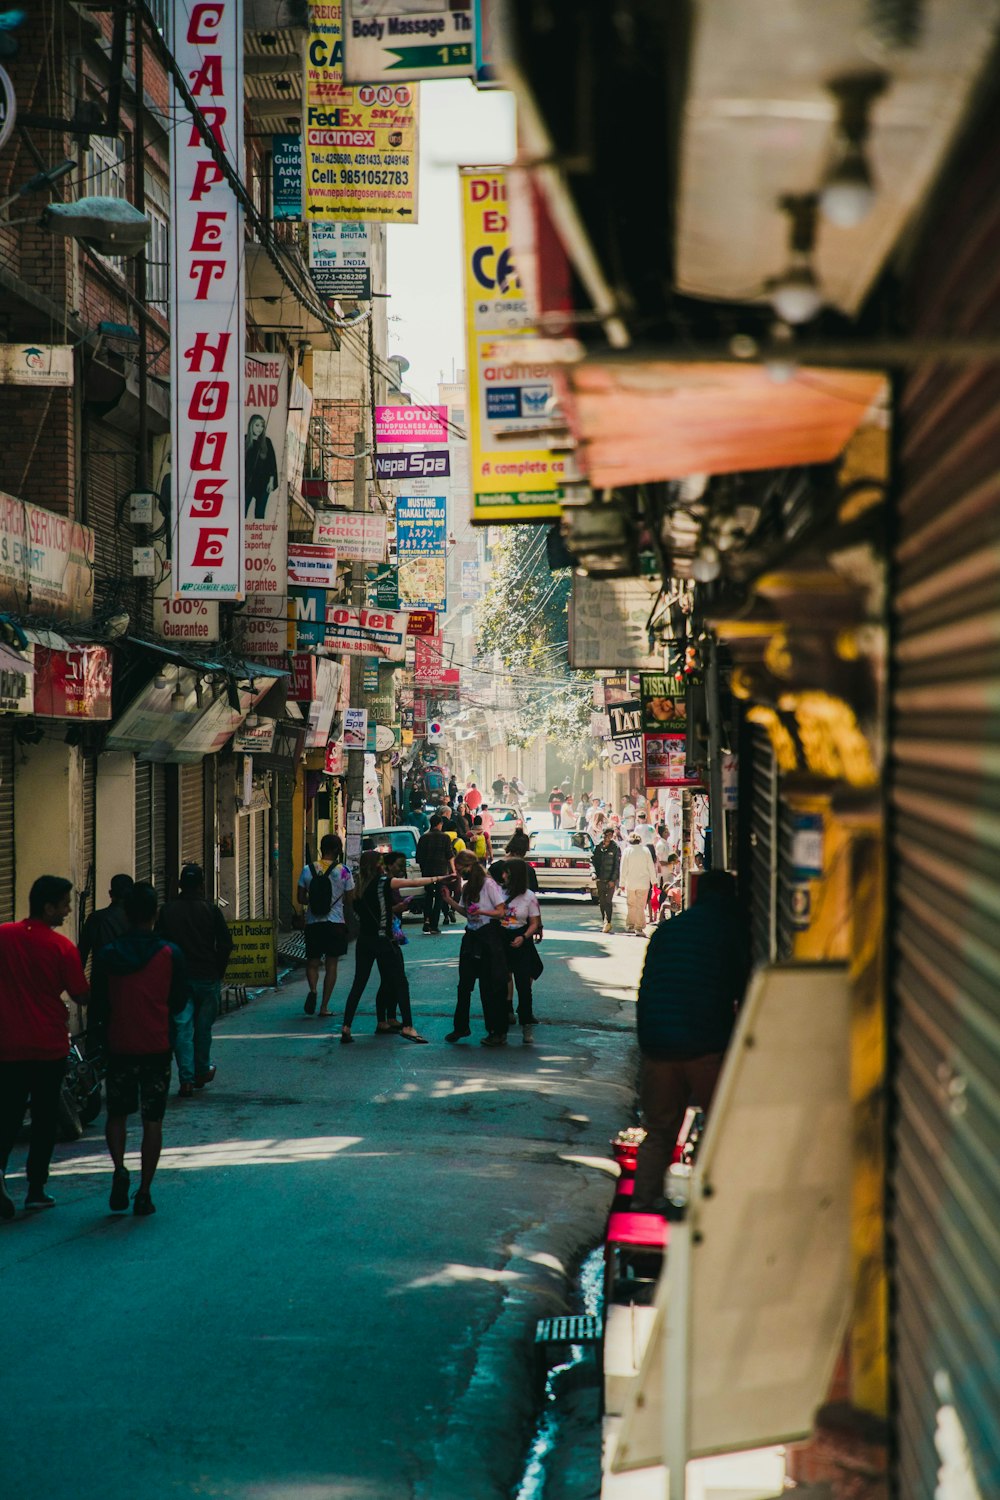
<point>209,497</point>
<point>208,235</point>
<point>208,400</point>
<point>208,78</point>
<point>210,552</point>
<point>206,175</point>
<point>205,272</point>
<point>206,18</point>
<point>201,346</point>
<point>207,450</point>
<point>215,116</point>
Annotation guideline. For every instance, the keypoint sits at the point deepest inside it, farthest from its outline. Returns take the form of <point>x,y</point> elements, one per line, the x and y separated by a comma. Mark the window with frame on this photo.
<point>158,260</point>
<point>106,176</point>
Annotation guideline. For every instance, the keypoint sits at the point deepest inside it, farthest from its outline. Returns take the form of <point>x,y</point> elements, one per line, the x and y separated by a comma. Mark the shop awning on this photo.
<point>753,1306</point>
<point>639,421</point>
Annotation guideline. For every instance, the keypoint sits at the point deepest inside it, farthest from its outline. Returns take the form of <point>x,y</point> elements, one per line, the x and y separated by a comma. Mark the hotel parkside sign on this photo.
<point>207,306</point>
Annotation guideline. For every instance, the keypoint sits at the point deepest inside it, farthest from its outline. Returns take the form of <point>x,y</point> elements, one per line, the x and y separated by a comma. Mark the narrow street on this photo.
<point>337,1295</point>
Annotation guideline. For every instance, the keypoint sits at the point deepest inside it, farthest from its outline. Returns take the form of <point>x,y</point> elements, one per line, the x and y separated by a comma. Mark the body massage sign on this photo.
<point>206,285</point>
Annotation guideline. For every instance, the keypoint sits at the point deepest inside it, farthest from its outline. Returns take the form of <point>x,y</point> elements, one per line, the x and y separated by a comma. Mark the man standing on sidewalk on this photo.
<point>693,980</point>
<point>606,860</point>
<point>108,922</point>
<point>435,856</point>
<point>198,929</point>
<point>38,966</point>
<point>140,981</point>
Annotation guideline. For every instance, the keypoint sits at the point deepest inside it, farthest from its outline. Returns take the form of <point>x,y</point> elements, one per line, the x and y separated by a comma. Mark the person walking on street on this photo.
<point>380,941</point>
<point>556,800</point>
<point>522,920</point>
<point>452,792</point>
<point>499,788</point>
<point>692,982</point>
<point>436,858</point>
<point>140,981</point>
<point>198,929</point>
<point>480,842</point>
<point>606,860</point>
<point>637,875</point>
<point>108,922</point>
<point>516,792</point>
<point>583,813</point>
<point>628,815</point>
<point>473,797</point>
<point>326,894</point>
<point>481,956</point>
<point>38,966</point>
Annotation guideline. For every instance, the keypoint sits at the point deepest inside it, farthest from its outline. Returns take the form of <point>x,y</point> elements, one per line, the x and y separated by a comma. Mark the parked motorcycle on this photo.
<point>80,1099</point>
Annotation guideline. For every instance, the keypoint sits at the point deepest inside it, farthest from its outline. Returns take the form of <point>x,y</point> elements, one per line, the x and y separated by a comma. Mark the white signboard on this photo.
<point>607,624</point>
<point>36,364</point>
<point>46,562</point>
<point>366,632</point>
<point>266,632</point>
<point>312,566</point>
<point>265,498</point>
<point>206,306</point>
<point>386,40</point>
<point>340,260</point>
<point>299,416</point>
<point>359,536</point>
<point>182,619</point>
<point>355,728</point>
<point>627,752</point>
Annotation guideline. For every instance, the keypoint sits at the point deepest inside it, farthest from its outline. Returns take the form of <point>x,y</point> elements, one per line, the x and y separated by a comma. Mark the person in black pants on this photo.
<point>522,920</point>
<point>481,956</point>
<point>376,906</point>
<point>436,857</point>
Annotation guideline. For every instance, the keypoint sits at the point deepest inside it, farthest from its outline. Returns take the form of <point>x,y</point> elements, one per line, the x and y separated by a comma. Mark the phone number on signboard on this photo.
<point>371,178</point>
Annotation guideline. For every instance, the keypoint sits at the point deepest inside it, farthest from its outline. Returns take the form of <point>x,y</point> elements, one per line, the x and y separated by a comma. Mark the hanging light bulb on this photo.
<point>707,565</point>
<point>848,192</point>
<point>795,295</point>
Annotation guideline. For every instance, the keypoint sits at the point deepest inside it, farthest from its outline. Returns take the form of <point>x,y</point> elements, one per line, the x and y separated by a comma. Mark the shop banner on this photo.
<point>265,499</point>
<point>177,619</point>
<point>254,959</point>
<point>329,675</point>
<point>360,144</point>
<point>512,480</point>
<point>383,588</point>
<point>608,623</point>
<point>622,687</point>
<point>411,424</point>
<point>421,547</point>
<point>300,405</point>
<point>312,565</point>
<point>625,719</point>
<point>664,704</point>
<point>386,40</point>
<point>304,676</point>
<point>73,684</point>
<point>340,260</point>
<point>46,563</point>
<point>286,176</point>
<point>366,632</point>
<point>307,616</point>
<point>412,465</point>
<point>206,285</point>
<point>626,752</point>
<point>359,536</point>
<point>429,668</point>
<point>665,758</point>
<point>265,632</point>
<point>355,728</point>
<point>422,622</point>
<point>256,741</point>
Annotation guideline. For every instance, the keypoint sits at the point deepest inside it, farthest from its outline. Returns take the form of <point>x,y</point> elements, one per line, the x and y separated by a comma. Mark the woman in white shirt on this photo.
<point>522,919</point>
<point>637,875</point>
<point>481,956</point>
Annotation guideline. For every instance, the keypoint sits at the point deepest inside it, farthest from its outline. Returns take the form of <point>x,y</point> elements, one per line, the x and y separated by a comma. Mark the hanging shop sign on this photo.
<point>421,546</point>
<point>514,478</point>
<point>312,565</point>
<point>429,669</point>
<point>355,728</point>
<point>286,176</point>
<point>303,676</point>
<point>383,587</point>
<point>369,676</point>
<point>300,405</point>
<point>265,497</point>
<point>608,620</point>
<point>359,143</point>
<point>258,740</point>
<point>412,465</point>
<point>664,703</point>
<point>422,622</point>
<point>336,761</point>
<point>359,536</point>
<point>329,675</point>
<point>206,284</point>
<point>340,260</point>
<point>472,588</point>
<point>665,759</point>
<point>388,40</point>
<point>366,632</point>
<point>627,752</point>
<point>621,687</point>
<point>307,616</point>
<point>411,424</point>
<point>46,563</point>
<point>36,364</point>
<point>265,629</point>
<point>73,684</point>
<point>179,619</point>
<point>625,719</point>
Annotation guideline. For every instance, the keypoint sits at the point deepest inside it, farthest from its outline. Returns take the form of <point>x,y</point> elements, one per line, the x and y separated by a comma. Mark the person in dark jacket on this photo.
<point>435,856</point>
<point>108,922</point>
<point>693,979</point>
<point>140,981</point>
<point>199,930</point>
<point>606,859</point>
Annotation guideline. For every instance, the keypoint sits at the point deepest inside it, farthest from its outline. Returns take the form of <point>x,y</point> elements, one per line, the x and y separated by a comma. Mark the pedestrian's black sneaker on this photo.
<point>456,1036</point>
<point>143,1206</point>
<point>493,1040</point>
<point>7,1206</point>
<point>118,1201</point>
<point>38,1198</point>
<point>310,1005</point>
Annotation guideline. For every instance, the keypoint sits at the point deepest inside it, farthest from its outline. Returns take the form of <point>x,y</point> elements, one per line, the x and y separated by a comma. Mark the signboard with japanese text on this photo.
<point>430,668</point>
<point>206,284</point>
<point>421,545</point>
<point>608,624</point>
<point>359,143</point>
<point>514,479</point>
<point>286,176</point>
<point>312,565</point>
<point>386,40</point>
<point>46,563</point>
<point>665,759</point>
<point>265,498</point>
<point>340,260</point>
<point>73,684</point>
<point>412,465</point>
<point>359,536</point>
<point>366,632</point>
<point>411,424</point>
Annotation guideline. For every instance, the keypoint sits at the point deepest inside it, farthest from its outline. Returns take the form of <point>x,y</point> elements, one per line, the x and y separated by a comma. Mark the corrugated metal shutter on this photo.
<point>108,476</point>
<point>286,872</point>
<point>143,820</point>
<point>260,832</point>
<point>243,865</point>
<point>6,822</point>
<point>159,876</point>
<point>89,828</point>
<point>192,800</point>
<point>945,1197</point>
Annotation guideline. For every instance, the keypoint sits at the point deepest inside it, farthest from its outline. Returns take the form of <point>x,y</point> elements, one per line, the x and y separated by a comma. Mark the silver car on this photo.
<point>561,861</point>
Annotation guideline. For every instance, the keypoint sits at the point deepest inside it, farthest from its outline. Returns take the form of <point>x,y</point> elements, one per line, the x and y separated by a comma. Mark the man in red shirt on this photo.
<point>473,797</point>
<point>140,981</point>
<point>38,966</point>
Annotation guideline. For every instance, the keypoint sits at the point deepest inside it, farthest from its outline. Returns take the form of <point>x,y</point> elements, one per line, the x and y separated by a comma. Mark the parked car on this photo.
<point>561,861</point>
<point>506,820</point>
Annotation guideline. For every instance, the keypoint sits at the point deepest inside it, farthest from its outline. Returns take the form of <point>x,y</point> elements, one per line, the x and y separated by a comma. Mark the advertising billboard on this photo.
<point>340,260</point>
<point>421,546</point>
<point>386,40</point>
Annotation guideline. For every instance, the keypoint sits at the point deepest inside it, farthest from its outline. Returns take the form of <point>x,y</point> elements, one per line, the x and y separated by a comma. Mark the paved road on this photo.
<point>336,1297</point>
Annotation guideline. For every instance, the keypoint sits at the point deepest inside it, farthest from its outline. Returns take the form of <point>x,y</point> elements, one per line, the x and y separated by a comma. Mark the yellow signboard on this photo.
<point>359,144</point>
<point>512,480</point>
<point>254,959</point>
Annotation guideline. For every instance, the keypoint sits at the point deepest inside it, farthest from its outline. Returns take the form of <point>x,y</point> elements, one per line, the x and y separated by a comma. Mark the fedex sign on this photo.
<point>206,306</point>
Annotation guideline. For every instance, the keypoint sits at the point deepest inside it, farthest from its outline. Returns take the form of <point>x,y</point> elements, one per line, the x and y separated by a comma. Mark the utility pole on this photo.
<point>356,758</point>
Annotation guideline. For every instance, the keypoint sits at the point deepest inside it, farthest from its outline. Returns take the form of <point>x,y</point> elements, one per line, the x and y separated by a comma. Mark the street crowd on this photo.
<point>156,971</point>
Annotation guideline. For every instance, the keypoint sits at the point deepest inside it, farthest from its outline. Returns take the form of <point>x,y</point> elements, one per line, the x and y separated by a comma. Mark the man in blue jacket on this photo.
<point>693,979</point>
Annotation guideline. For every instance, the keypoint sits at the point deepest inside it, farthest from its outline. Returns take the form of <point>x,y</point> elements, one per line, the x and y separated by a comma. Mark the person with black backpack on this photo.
<point>325,890</point>
<point>380,941</point>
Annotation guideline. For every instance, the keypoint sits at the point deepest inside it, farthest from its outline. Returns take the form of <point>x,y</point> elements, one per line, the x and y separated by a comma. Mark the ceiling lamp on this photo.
<point>795,295</point>
<point>848,191</point>
<point>706,564</point>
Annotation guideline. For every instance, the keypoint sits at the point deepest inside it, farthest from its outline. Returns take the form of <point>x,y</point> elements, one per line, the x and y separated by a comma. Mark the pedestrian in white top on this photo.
<point>637,875</point>
<point>661,852</point>
<point>326,891</point>
<point>628,816</point>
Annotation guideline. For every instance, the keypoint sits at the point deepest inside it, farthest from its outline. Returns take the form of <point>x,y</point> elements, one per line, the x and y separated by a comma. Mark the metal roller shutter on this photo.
<point>945,794</point>
<point>143,820</point>
<point>260,832</point>
<point>89,828</point>
<point>109,475</point>
<point>6,822</point>
<point>159,874</point>
<point>192,800</point>
<point>243,865</point>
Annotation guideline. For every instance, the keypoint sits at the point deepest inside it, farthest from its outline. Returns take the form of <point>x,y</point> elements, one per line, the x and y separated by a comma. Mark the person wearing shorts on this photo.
<point>326,931</point>
<point>140,981</point>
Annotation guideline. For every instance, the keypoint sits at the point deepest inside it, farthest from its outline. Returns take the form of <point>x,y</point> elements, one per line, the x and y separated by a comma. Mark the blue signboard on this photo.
<point>286,176</point>
<point>421,546</point>
<point>307,608</point>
